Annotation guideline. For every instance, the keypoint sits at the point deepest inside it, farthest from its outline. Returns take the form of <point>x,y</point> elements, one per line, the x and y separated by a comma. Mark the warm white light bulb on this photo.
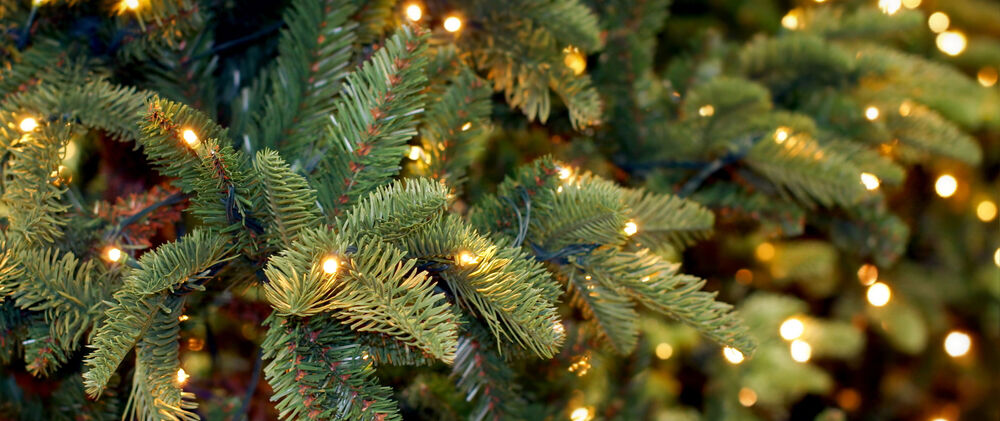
<point>467,126</point>
<point>870,181</point>
<point>190,137</point>
<point>706,111</point>
<point>791,20</point>
<point>946,185</point>
<point>28,124</point>
<point>416,152</point>
<point>911,4</point>
<point>467,258</point>
<point>765,251</point>
<point>631,228</point>
<point>938,22</point>
<point>986,210</point>
<point>792,329</point>
<point>957,344</point>
<point>747,397</point>
<point>890,7</point>
<point>452,24</point>
<point>733,355</point>
<point>951,43</point>
<point>182,376</point>
<point>131,4</point>
<point>781,135</point>
<point>664,351</point>
<point>414,12</point>
<point>330,265</point>
<point>565,173</point>
<point>879,294</point>
<point>801,351</point>
<point>580,414</point>
<point>871,113</point>
<point>114,254</point>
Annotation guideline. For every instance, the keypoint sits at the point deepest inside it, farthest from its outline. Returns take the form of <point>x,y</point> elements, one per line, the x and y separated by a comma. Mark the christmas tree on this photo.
<point>529,209</point>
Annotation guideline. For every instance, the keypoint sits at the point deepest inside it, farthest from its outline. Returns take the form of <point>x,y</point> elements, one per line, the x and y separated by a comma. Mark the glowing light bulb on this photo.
<point>190,137</point>
<point>416,152</point>
<point>182,376</point>
<point>986,210</point>
<point>580,414</point>
<point>467,258</point>
<point>867,274</point>
<point>890,7</point>
<point>414,12</point>
<point>28,124</point>
<point>183,318</point>
<point>565,173</point>
<point>911,4</point>
<point>938,22</point>
<point>330,265</point>
<point>870,181</point>
<point>733,355</point>
<point>706,111</point>
<point>765,252</point>
<point>467,126</point>
<point>575,60</point>
<point>131,4</point>
<point>987,76</point>
<point>791,20</point>
<point>996,257</point>
<point>792,329</point>
<point>114,254</point>
<point>940,419</point>
<point>781,135</point>
<point>951,43</point>
<point>801,351</point>
<point>879,294</point>
<point>452,24</point>
<point>664,351</point>
<point>631,228</point>
<point>946,185</point>
<point>871,113</point>
<point>957,344</point>
<point>747,397</point>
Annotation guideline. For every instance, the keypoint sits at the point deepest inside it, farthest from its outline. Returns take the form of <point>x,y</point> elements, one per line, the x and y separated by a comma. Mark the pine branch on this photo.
<point>376,115</point>
<point>290,202</point>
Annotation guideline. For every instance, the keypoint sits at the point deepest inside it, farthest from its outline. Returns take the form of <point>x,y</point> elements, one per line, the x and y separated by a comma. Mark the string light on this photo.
<point>190,137</point>
<point>706,111</point>
<point>870,181</point>
<point>664,351</point>
<point>28,124</point>
<point>791,20</point>
<point>940,419</point>
<point>581,366</point>
<point>559,189</point>
<point>330,265</point>
<point>946,185</point>
<point>987,76</point>
<point>467,258</point>
<point>951,43</point>
<point>986,210</point>
<point>871,113</point>
<point>466,126</point>
<point>867,274</point>
<point>565,173</point>
<point>938,22</point>
<point>131,4</point>
<point>645,279</point>
<point>182,376</point>
<point>879,294</point>
<point>452,24</point>
<point>183,318</point>
<point>416,152</point>
<point>747,397</point>
<point>414,12</point>
<point>765,252</point>
<point>113,254</point>
<point>733,355</point>
<point>890,7</point>
<point>957,344</point>
<point>791,329</point>
<point>781,135</point>
<point>575,60</point>
<point>580,414</point>
<point>911,4</point>
<point>996,257</point>
<point>801,351</point>
<point>631,228</point>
